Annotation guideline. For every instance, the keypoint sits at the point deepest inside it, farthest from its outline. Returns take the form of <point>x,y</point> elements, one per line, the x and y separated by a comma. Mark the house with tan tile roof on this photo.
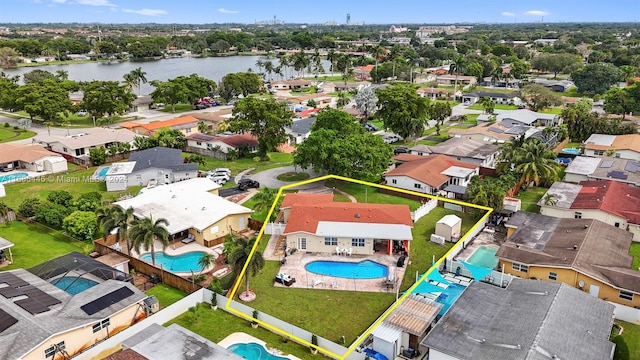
<point>435,174</point>
<point>296,84</point>
<point>435,93</point>
<point>186,124</point>
<point>222,142</point>
<point>618,146</point>
<point>467,150</point>
<point>30,158</point>
<point>587,254</point>
<point>315,223</point>
<point>611,202</point>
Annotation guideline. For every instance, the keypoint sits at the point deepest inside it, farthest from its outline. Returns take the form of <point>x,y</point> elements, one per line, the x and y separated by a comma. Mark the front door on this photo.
<point>302,243</point>
<point>241,223</point>
<point>594,290</point>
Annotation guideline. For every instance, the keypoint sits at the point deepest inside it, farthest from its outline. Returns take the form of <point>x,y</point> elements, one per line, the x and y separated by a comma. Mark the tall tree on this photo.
<point>138,76</point>
<point>540,97</point>
<point>487,105</point>
<point>265,119</point>
<point>206,260</point>
<point>596,78</point>
<point>399,105</point>
<point>169,92</point>
<point>144,232</point>
<point>536,162</point>
<point>47,100</point>
<point>8,57</point>
<point>239,256</point>
<point>366,102</point>
<point>113,218</point>
<point>106,98</point>
<point>456,67</point>
<point>554,63</point>
<point>439,112</point>
<point>622,101</point>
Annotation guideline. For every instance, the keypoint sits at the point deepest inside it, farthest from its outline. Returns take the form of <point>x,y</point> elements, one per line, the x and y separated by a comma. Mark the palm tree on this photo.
<point>536,162</point>
<point>62,75</point>
<point>487,105</point>
<point>206,260</point>
<point>458,64</point>
<point>48,124</point>
<point>66,122</point>
<point>203,128</point>
<point>144,232</point>
<point>285,62</point>
<point>139,77</point>
<point>113,218</point>
<point>332,56</point>
<point>300,62</point>
<point>240,254</point>
<point>260,65</point>
<point>129,80</point>
<point>264,199</point>
<point>268,68</point>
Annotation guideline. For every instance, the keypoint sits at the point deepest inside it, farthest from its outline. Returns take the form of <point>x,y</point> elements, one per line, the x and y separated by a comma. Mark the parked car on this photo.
<point>224,170</point>
<point>219,179</point>
<point>199,106</point>
<point>82,112</point>
<point>245,184</point>
<point>391,138</point>
<point>370,127</point>
<point>401,150</point>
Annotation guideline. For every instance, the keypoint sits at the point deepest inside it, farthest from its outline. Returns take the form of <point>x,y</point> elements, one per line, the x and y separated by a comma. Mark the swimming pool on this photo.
<point>12,177</point>
<point>449,296</point>
<point>484,256</point>
<point>253,351</point>
<point>571,151</point>
<point>73,284</point>
<point>361,270</point>
<point>103,172</point>
<point>186,262</point>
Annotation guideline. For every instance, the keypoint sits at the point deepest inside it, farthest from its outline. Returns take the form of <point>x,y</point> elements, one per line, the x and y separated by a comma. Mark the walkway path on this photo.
<point>269,178</point>
<point>351,197</point>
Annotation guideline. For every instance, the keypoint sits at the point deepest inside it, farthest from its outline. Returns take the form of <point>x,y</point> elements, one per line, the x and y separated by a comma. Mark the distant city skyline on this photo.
<point>290,11</point>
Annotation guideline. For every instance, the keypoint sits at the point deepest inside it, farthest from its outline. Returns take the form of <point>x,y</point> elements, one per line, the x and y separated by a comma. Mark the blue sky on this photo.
<point>304,11</point>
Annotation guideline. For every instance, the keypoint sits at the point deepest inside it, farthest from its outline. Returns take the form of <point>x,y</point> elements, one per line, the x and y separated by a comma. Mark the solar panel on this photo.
<point>12,280</point>
<point>107,300</point>
<point>632,166</point>
<point>617,175</point>
<point>6,321</point>
<point>42,297</point>
<point>32,306</point>
<point>606,164</point>
<point>11,292</point>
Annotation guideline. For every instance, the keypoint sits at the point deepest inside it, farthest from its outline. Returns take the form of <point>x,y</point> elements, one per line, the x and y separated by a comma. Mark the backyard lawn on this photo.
<point>370,194</point>
<point>635,251</point>
<point>555,111</point>
<point>277,159</point>
<point>530,198</point>
<point>179,108</point>
<point>166,295</point>
<point>35,244</point>
<point>631,336</point>
<point>216,325</point>
<point>8,134</point>
<point>496,107</point>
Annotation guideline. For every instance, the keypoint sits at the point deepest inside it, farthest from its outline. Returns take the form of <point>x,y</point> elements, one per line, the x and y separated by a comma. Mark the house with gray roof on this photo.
<point>157,165</point>
<point>524,117</point>
<point>300,129</point>
<point>467,150</point>
<point>585,168</point>
<point>529,320</point>
<point>471,98</point>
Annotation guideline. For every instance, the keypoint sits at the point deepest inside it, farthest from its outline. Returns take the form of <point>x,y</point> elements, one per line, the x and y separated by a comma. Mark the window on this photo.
<point>520,267</point>
<point>331,241</point>
<point>553,276</point>
<point>64,149</point>
<point>49,352</point>
<point>79,152</point>
<point>188,131</point>
<point>625,295</point>
<point>394,181</point>
<point>617,224</point>
<point>417,186</point>
<point>357,242</point>
<point>577,215</point>
<point>101,325</point>
<point>598,152</point>
<point>198,143</point>
<point>617,155</point>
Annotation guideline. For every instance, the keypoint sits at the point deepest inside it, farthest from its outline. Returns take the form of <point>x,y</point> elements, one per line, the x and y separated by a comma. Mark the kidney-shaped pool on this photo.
<point>350,270</point>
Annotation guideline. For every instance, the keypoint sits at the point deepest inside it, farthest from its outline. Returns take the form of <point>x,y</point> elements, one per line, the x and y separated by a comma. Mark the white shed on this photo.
<point>55,164</point>
<point>449,227</point>
<point>387,340</point>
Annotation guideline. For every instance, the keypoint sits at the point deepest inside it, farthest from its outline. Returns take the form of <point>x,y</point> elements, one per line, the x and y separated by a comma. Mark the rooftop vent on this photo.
<point>575,247</point>
<point>357,215</point>
<point>586,226</point>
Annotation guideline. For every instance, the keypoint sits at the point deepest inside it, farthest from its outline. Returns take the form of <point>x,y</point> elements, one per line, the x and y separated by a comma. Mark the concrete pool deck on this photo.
<point>244,338</point>
<point>175,250</point>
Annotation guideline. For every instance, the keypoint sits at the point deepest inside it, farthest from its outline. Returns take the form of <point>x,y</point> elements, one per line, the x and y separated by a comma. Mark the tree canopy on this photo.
<point>596,78</point>
<point>106,98</point>
<point>400,108</point>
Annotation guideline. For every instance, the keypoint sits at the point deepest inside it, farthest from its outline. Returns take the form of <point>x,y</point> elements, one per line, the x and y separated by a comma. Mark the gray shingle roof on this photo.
<point>529,320</point>
<point>161,157</point>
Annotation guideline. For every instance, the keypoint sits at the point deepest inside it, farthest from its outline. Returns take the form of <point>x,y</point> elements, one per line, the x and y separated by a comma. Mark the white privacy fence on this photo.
<point>424,209</point>
<point>274,229</point>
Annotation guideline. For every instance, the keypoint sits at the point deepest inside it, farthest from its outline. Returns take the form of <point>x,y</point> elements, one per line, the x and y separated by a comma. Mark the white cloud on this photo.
<point>59,1</point>
<point>146,12</point>
<point>536,13</point>
<point>225,11</point>
<point>96,3</point>
<point>506,13</point>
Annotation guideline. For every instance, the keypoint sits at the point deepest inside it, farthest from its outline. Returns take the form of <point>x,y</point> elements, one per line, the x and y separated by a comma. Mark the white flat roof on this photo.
<point>387,333</point>
<point>450,220</point>
<point>601,139</point>
<point>5,244</point>
<point>121,168</point>
<point>457,171</point>
<point>583,165</point>
<point>185,204</point>
<point>364,230</point>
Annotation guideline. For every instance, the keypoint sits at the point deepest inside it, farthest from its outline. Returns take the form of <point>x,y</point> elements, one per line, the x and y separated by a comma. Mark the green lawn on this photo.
<point>78,121</point>
<point>555,111</point>
<point>369,194</point>
<point>496,106</point>
<point>218,324</point>
<point>482,88</point>
<point>631,336</point>
<point>8,134</point>
<point>178,109</point>
<point>258,215</point>
<point>35,244</point>
<point>377,123</point>
<point>635,251</point>
<point>236,166</point>
<point>428,142</point>
<point>166,295</point>
<point>530,198</point>
<point>573,144</point>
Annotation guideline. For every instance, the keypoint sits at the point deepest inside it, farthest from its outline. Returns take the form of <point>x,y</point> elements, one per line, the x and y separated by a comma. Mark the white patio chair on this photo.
<point>338,251</point>
<point>350,251</point>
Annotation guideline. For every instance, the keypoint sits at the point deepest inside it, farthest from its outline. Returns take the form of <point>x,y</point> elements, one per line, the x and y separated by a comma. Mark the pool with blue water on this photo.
<point>484,256</point>
<point>350,270</point>
<point>73,284</point>
<point>449,296</point>
<point>12,177</point>
<point>186,262</point>
<point>253,351</point>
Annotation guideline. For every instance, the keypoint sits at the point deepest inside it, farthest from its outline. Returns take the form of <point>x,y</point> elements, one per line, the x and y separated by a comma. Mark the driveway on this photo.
<point>268,178</point>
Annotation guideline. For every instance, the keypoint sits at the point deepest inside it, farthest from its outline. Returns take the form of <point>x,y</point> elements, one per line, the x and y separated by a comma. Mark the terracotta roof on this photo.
<point>187,119</point>
<point>428,169</point>
<point>404,157</point>
<point>621,142</point>
<point>127,354</point>
<point>306,217</point>
<point>366,68</point>
<point>434,91</point>
<point>305,199</point>
<point>238,140</point>
<point>27,153</point>
<point>610,196</point>
<point>306,113</point>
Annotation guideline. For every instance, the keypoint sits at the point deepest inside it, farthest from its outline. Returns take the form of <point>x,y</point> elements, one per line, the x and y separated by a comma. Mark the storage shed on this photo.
<point>449,227</point>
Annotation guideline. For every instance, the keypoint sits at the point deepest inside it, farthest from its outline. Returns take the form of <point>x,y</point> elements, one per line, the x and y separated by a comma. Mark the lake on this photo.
<point>213,68</point>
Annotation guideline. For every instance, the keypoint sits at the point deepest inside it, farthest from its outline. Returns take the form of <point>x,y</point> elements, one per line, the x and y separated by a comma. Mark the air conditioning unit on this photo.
<point>151,305</point>
<point>437,239</point>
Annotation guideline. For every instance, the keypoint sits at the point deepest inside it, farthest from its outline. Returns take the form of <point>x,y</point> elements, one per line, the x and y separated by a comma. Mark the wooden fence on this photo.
<point>140,266</point>
<point>206,152</point>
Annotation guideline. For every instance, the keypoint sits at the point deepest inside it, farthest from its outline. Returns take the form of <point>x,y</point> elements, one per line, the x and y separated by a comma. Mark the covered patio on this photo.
<point>5,248</point>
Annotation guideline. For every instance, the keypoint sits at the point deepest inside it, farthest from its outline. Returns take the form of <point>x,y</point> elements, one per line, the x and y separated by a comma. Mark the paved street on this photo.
<point>268,178</point>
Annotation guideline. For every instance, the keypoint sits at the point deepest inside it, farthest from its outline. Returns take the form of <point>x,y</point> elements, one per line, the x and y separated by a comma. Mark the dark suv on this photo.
<point>401,150</point>
<point>245,184</point>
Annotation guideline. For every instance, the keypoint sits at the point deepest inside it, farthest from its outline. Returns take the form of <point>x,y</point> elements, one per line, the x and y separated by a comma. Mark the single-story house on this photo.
<point>555,85</point>
<point>30,157</point>
<point>155,166</point>
<point>586,254</point>
<point>315,223</point>
<point>450,80</point>
<point>468,150</point>
<point>508,83</point>
<point>528,320</point>
<point>545,42</point>
<point>471,98</point>
<point>527,118</point>
<point>192,207</point>
<point>223,142</point>
<point>435,175</point>
<point>609,201</point>
<point>617,146</point>
<point>585,168</point>
<point>39,320</point>
<point>300,129</point>
<point>363,73</point>
<point>435,93</point>
<point>186,124</point>
<point>75,147</point>
<point>297,84</point>
<point>322,101</point>
<point>350,86</point>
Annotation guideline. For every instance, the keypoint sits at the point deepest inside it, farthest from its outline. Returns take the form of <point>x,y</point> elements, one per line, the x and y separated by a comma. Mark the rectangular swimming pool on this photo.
<point>449,296</point>
<point>484,256</point>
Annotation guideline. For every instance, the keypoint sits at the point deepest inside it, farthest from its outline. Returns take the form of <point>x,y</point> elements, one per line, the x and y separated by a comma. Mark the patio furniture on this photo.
<point>285,279</point>
<point>350,251</point>
<point>316,282</point>
<point>189,239</point>
<point>338,250</point>
<point>345,251</point>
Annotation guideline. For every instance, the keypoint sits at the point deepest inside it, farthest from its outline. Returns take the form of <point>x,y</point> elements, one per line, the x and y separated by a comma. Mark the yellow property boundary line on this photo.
<point>390,309</point>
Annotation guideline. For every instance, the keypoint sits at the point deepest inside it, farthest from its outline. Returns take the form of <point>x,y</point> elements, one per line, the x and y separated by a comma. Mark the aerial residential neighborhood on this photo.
<point>294,182</point>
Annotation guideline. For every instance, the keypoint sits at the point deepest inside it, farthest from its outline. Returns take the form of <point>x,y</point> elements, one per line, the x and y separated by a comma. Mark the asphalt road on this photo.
<point>268,178</point>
